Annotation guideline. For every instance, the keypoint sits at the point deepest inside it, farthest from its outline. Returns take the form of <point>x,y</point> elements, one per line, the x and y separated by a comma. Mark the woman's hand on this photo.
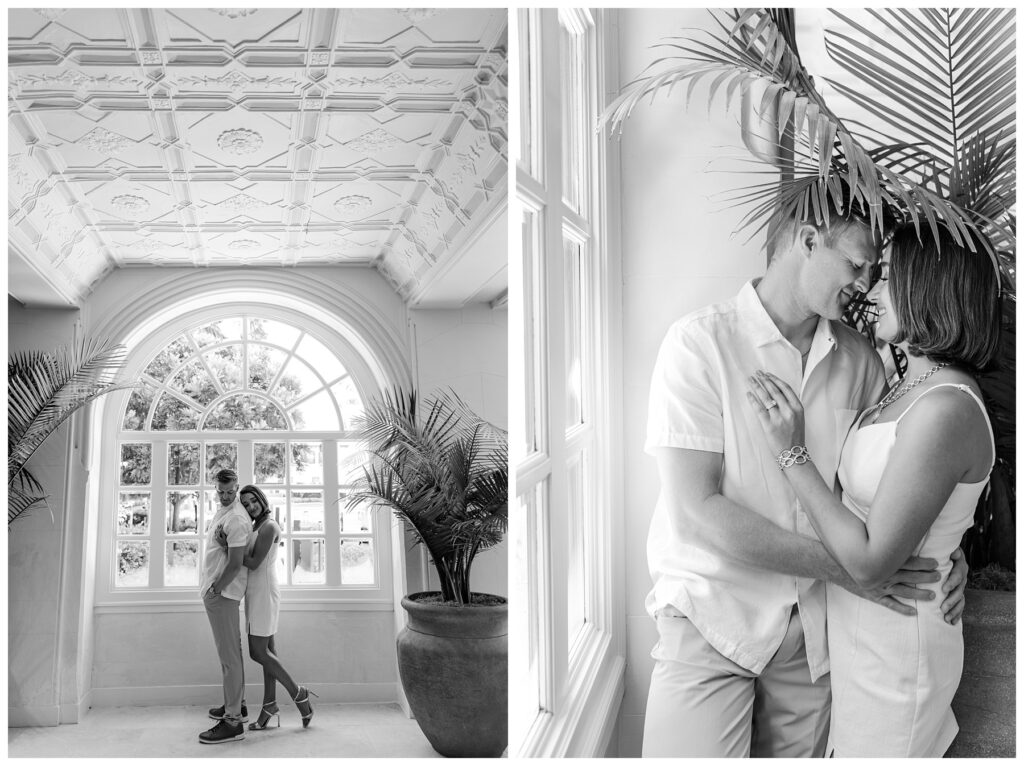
<point>221,537</point>
<point>778,410</point>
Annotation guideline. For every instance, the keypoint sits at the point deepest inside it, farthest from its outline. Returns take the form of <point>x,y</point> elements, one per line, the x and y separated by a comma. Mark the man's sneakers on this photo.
<point>224,731</point>
<point>217,713</point>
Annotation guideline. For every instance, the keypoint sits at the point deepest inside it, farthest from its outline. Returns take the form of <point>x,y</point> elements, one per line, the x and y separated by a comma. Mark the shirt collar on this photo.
<point>765,331</point>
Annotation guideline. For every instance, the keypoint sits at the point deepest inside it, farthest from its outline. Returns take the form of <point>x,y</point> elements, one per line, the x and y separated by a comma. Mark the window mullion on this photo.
<point>158,515</point>
<point>332,507</point>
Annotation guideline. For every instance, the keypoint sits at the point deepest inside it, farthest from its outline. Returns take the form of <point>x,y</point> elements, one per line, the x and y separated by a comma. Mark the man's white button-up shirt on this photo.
<point>698,402</point>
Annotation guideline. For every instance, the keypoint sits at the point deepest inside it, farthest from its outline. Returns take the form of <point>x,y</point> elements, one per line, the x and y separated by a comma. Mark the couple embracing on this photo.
<point>240,561</point>
<point>804,549</point>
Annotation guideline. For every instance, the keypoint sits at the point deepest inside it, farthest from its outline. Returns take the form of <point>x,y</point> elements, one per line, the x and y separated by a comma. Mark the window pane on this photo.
<point>245,412</point>
<point>315,414</point>
<point>132,565</point>
<point>357,562</point>
<point>349,402</point>
<point>278,500</point>
<point>308,562</point>
<point>174,354</point>
<point>307,512</point>
<point>195,382</point>
<point>181,564</point>
<point>296,381</point>
<point>226,363</point>
<point>210,505</point>
<point>578,539</point>
<point>315,352</point>
<point>307,463</point>
<point>220,455</point>
<point>276,333</point>
<point>216,332</point>
<point>357,519</point>
<point>136,463</point>
<point>172,414</point>
<point>526,609</point>
<point>533,328</point>
<point>572,107</point>
<point>183,512</point>
<point>573,335</point>
<point>350,462</point>
<point>133,511</point>
<point>183,463</point>
<point>268,459</point>
<point>264,364</point>
<point>526,91</point>
<point>137,411</point>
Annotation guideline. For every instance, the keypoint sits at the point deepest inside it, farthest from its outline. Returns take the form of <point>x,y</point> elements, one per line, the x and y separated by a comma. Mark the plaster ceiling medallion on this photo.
<point>417,15</point>
<point>152,58</point>
<point>243,244</point>
<point>374,142</point>
<point>240,141</point>
<point>51,13</point>
<point>352,205</point>
<point>161,103</point>
<point>104,141</point>
<point>241,203</point>
<point>130,204</point>
<point>320,58</point>
<point>235,13</point>
<point>17,172</point>
<point>392,82</point>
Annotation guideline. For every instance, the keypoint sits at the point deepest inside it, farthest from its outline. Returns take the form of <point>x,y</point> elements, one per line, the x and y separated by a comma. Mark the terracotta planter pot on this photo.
<point>985,703</point>
<point>453,662</point>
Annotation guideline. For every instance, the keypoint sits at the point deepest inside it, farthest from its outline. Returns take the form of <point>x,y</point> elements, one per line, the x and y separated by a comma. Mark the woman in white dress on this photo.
<point>262,605</point>
<point>912,470</point>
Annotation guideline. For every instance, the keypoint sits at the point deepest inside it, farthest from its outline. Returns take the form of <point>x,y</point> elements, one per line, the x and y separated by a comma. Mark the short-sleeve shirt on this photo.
<point>698,402</point>
<point>238,526</point>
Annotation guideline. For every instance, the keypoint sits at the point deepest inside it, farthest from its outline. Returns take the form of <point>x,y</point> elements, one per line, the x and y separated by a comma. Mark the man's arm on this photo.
<point>234,566</point>
<point>698,512</point>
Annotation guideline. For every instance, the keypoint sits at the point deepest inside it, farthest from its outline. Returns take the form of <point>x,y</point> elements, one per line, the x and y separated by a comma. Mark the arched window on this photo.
<point>268,399</point>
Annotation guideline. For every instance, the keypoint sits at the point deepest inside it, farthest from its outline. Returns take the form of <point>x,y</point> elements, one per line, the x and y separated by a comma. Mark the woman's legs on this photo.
<point>261,649</point>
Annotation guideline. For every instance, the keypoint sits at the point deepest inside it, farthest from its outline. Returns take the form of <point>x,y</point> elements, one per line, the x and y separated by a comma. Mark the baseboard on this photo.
<point>211,694</point>
<point>41,715</point>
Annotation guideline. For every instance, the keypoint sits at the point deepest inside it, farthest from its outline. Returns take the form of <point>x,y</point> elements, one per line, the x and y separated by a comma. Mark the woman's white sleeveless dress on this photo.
<point>262,594</point>
<point>894,676</point>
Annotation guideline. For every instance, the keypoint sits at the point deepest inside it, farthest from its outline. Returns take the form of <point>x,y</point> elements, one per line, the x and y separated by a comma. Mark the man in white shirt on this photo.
<point>222,588</point>
<point>739,598</point>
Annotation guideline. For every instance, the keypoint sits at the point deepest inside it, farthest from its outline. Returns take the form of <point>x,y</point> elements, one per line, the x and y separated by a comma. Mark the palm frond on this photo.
<point>443,471</point>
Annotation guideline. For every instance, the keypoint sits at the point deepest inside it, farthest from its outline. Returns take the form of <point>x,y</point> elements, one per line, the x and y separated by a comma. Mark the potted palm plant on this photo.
<point>443,471</point>
<point>936,145</point>
<point>44,390</point>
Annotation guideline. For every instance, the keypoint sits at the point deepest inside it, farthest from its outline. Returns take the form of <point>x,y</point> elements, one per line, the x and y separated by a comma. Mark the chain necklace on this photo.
<point>899,391</point>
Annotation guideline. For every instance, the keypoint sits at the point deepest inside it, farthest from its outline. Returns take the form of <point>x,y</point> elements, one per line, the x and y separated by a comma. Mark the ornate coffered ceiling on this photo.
<point>255,136</point>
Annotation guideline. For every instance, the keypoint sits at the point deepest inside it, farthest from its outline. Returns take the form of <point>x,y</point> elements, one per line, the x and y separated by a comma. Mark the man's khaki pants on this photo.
<point>703,705</point>
<point>223,615</point>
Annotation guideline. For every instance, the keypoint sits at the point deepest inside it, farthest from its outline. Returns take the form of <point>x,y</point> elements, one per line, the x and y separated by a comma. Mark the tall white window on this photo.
<point>564,571</point>
<point>268,399</point>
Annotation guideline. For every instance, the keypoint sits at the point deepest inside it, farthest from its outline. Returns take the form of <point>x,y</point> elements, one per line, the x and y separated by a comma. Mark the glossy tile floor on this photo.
<point>336,731</point>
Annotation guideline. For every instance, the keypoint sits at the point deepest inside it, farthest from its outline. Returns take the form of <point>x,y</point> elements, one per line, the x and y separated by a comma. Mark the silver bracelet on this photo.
<point>796,455</point>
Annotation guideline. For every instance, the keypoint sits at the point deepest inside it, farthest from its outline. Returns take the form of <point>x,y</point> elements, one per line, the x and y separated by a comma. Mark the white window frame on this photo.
<point>579,677</point>
<point>111,598</point>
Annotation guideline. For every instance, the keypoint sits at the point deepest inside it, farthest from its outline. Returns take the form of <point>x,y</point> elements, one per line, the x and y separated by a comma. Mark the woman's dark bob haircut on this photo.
<point>946,298</point>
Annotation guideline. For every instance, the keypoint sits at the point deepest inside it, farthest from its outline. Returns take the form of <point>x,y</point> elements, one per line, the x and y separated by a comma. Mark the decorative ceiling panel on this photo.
<point>213,137</point>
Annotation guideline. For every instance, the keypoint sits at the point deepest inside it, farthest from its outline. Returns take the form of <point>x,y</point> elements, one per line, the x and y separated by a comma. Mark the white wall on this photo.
<point>34,549</point>
<point>677,255</point>
<point>467,350</point>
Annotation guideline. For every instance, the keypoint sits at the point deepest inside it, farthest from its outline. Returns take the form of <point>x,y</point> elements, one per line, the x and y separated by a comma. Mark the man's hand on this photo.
<point>903,584</point>
<point>953,605</point>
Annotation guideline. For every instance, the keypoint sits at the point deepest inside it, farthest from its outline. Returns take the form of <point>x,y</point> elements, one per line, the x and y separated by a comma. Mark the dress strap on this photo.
<point>974,396</point>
